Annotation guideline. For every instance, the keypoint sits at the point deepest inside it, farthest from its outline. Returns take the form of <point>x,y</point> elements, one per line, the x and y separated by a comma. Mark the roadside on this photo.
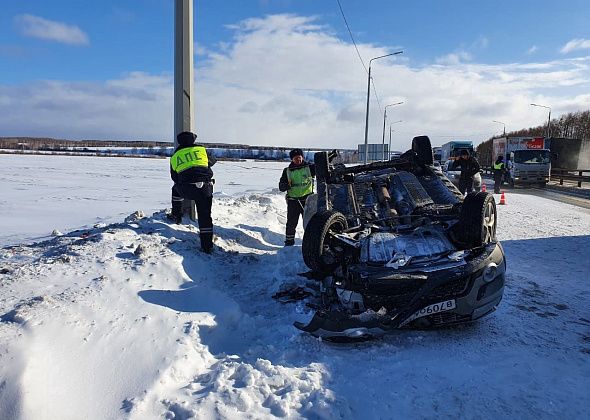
<point>568,193</point>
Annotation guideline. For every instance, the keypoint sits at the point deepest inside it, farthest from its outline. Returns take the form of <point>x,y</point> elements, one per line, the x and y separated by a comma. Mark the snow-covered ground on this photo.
<point>129,320</point>
<point>43,193</point>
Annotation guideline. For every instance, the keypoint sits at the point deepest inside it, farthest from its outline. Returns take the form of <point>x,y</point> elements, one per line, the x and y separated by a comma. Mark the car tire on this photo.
<point>421,145</point>
<point>478,220</point>
<point>315,240</point>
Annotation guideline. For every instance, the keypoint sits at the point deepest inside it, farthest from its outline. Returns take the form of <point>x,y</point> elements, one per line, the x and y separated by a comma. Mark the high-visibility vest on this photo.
<point>499,166</point>
<point>300,182</point>
<point>189,157</point>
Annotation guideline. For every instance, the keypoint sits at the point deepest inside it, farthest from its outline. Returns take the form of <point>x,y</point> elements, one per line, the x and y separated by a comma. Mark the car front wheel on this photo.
<point>317,237</point>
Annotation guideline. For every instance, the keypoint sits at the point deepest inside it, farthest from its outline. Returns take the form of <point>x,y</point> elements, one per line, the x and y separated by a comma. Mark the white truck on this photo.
<point>530,159</point>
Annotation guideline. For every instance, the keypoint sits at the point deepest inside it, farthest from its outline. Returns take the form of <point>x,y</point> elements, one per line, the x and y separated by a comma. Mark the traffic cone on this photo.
<point>503,198</point>
<point>483,187</point>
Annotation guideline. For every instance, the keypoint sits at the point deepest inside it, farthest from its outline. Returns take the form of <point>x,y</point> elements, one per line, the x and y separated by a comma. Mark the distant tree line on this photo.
<point>574,125</point>
<point>51,144</point>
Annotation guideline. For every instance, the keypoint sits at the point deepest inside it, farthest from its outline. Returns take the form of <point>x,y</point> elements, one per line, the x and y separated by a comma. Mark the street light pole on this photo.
<point>548,119</point>
<point>390,136</point>
<point>384,118</point>
<point>368,97</point>
<point>500,122</point>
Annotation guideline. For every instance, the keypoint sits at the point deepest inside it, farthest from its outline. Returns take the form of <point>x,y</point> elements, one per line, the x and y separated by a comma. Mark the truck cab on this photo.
<point>530,166</point>
<point>528,159</point>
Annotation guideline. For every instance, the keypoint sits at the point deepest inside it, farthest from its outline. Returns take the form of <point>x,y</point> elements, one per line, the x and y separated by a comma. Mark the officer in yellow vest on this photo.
<point>499,169</point>
<point>190,169</point>
<point>297,181</point>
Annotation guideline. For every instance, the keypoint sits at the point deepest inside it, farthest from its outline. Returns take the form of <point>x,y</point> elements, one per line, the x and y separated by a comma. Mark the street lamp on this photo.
<point>548,119</point>
<point>500,122</point>
<point>368,96</point>
<point>390,135</point>
<point>384,117</point>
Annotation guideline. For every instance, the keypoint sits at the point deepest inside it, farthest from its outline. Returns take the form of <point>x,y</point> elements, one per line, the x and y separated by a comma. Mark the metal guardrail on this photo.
<point>569,175</point>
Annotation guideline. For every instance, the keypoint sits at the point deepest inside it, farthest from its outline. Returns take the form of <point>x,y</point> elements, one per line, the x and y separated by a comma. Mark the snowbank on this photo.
<point>129,320</point>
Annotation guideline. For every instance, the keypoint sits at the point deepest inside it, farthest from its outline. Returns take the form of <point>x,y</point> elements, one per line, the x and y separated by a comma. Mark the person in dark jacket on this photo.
<point>499,171</point>
<point>190,169</point>
<point>468,166</point>
<point>297,181</point>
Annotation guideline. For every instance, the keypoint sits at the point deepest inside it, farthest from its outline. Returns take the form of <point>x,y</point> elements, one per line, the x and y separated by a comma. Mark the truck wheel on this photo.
<point>478,220</point>
<point>316,240</point>
<point>421,145</point>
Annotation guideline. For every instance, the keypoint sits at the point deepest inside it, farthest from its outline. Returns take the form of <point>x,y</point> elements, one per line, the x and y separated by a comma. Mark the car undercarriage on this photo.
<point>394,245</point>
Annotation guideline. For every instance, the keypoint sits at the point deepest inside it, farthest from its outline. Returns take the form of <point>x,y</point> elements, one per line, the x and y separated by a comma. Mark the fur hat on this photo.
<point>295,152</point>
<point>186,138</point>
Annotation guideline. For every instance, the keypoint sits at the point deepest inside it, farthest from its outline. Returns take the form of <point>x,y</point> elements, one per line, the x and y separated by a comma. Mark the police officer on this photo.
<point>499,169</point>
<point>297,181</point>
<point>469,166</point>
<point>190,169</point>
<point>508,176</point>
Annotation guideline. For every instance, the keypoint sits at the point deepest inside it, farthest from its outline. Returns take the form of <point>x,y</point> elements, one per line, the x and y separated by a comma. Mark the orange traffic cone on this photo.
<point>483,187</point>
<point>503,198</point>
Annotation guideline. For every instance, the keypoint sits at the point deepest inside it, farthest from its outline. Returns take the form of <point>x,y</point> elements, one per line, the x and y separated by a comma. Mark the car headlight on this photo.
<point>490,272</point>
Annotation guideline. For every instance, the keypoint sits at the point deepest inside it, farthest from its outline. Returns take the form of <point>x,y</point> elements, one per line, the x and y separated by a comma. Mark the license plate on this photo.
<point>435,308</point>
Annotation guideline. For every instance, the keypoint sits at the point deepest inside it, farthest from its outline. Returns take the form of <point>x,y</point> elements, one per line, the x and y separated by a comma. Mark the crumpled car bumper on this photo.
<point>475,289</point>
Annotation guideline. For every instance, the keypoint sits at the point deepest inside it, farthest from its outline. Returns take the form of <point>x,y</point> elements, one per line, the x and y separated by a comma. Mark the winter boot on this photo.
<point>206,242</point>
<point>289,242</point>
<point>177,212</point>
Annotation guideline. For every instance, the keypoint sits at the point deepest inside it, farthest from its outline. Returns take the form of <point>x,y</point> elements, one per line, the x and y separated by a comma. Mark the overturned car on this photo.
<point>396,245</point>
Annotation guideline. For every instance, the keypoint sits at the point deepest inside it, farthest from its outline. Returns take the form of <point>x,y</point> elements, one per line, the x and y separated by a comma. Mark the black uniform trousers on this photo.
<point>203,198</point>
<point>295,208</point>
<point>498,174</point>
<point>466,185</point>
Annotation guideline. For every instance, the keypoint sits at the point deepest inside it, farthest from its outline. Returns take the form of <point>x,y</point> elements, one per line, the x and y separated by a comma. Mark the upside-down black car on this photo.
<point>396,245</point>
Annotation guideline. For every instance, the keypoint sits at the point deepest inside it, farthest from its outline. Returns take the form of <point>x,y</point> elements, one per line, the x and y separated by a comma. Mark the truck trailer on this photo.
<point>530,159</point>
<point>453,149</point>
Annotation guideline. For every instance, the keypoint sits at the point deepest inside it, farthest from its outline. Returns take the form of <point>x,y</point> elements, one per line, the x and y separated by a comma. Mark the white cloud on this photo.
<point>576,44</point>
<point>481,42</point>
<point>137,106</point>
<point>37,27</point>
<point>454,58</point>
<point>532,50</point>
<point>287,81</point>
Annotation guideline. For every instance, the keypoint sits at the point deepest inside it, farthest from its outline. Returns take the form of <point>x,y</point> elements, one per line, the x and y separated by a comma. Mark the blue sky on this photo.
<point>81,69</point>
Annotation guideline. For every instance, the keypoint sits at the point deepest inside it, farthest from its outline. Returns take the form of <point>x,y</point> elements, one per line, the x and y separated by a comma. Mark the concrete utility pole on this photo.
<point>184,119</point>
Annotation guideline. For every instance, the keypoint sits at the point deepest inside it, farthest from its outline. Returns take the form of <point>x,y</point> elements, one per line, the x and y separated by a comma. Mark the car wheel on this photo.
<point>316,240</point>
<point>478,220</point>
<point>421,145</point>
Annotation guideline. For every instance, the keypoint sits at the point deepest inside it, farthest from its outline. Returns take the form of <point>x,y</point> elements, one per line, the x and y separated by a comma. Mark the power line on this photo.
<point>358,52</point>
<point>351,37</point>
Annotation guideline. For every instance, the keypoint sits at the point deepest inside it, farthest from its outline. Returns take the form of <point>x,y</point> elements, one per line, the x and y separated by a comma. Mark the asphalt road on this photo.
<point>571,195</point>
<point>556,195</point>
